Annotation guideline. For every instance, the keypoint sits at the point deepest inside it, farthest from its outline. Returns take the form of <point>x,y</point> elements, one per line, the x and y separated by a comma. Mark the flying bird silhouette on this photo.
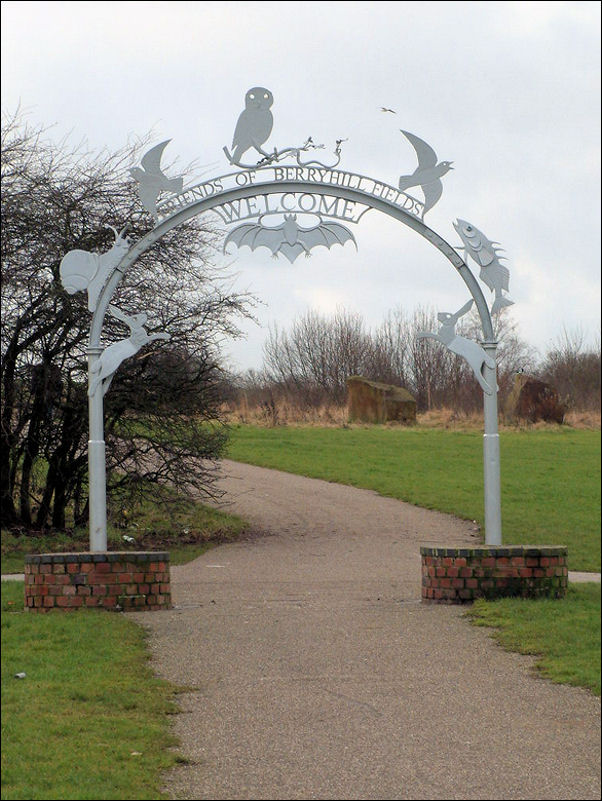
<point>152,180</point>
<point>390,110</point>
<point>254,124</point>
<point>428,174</point>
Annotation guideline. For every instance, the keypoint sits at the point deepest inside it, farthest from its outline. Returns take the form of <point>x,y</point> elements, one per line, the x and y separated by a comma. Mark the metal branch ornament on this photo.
<point>482,250</point>
<point>471,351</point>
<point>104,369</point>
<point>289,238</point>
<point>427,174</point>
<point>152,181</point>
<point>80,269</point>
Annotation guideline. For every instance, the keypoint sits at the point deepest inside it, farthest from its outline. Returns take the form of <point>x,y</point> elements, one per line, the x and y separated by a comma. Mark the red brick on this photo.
<point>131,589</point>
<point>83,590</point>
<point>103,567</point>
<point>48,600</point>
<point>539,572</point>
<point>71,590</point>
<point>124,578</point>
<point>138,577</point>
<point>115,589</point>
<point>502,561</point>
<point>118,567</point>
<point>45,569</point>
<point>90,601</point>
<point>59,568</point>
<point>144,589</point>
<point>165,588</point>
<point>73,567</point>
<point>460,561</point>
<point>107,603</point>
<point>99,589</point>
<point>532,561</point>
<point>544,561</point>
<point>488,561</point>
<point>432,571</point>
<point>452,572</point>
<point>526,572</point>
<point>472,583</point>
<point>466,572</point>
<point>518,561</point>
<point>440,571</point>
<point>86,567</point>
<point>445,582</point>
<point>458,583</point>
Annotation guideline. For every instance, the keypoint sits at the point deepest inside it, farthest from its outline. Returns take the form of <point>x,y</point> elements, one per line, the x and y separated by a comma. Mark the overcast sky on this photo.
<point>508,91</point>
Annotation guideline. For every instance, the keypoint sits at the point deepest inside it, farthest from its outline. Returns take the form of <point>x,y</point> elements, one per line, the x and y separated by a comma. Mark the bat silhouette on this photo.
<point>290,238</point>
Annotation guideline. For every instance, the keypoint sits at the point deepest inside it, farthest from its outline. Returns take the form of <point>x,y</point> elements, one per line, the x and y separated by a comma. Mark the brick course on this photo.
<point>460,575</point>
<point>118,581</point>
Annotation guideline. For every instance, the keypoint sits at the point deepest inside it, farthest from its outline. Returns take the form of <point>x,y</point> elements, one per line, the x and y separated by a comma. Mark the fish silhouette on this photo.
<point>428,174</point>
<point>493,274</point>
<point>152,180</point>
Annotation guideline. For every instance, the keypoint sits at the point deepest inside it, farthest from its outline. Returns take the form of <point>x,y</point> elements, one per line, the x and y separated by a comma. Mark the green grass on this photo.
<point>550,477</point>
<point>89,721</point>
<point>180,525</point>
<point>564,635</point>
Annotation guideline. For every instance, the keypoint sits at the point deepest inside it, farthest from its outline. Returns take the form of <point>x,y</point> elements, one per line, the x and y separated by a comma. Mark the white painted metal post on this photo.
<point>96,462</point>
<point>491,454</point>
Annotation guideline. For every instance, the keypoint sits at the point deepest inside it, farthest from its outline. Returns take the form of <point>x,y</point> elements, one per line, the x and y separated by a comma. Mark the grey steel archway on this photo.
<point>261,187</point>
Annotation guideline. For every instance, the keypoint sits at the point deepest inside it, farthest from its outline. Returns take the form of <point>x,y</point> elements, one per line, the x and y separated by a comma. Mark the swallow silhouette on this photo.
<point>390,110</point>
<point>428,174</point>
<point>152,180</point>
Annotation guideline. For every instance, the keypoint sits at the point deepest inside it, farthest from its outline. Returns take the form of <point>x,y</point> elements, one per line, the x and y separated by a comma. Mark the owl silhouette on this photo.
<point>255,123</point>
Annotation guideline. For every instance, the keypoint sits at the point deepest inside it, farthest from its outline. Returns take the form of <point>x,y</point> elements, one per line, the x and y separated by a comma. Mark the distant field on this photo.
<point>550,477</point>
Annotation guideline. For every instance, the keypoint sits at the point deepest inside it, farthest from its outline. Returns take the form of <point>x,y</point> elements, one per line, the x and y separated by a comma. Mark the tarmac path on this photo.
<point>318,674</point>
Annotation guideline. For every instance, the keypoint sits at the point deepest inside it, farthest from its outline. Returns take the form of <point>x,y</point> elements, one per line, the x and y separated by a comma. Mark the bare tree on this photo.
<point>162,408</point>
<point>573,368</point>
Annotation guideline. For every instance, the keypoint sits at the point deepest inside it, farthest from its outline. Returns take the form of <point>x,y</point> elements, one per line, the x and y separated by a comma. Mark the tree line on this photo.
<point>309,363</point>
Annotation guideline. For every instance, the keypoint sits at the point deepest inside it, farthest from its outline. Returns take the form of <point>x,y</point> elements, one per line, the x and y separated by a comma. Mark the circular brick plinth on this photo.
<point>119,581</point>
<point>460,575</point>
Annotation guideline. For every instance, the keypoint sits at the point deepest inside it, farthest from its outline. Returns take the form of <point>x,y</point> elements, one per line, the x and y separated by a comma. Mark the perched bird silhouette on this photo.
<point>152,180</point>
<point>428,173</point>
<point>493,274</point>
<point>255,123</point>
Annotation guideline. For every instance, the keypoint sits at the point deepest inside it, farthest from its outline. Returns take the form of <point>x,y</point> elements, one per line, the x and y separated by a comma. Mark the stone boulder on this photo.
<point>373,402</point>
<point>533,400</point>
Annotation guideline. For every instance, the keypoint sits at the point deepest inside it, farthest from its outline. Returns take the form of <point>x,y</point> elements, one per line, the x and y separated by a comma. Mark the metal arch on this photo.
<point>96,444</point>
<point>271,187</point>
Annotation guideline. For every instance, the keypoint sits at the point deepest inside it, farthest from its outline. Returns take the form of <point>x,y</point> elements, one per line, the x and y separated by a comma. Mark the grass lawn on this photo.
<point>179,525</point>
<point>89,720</point>
<point>550,477</point>
<point>564,635</point>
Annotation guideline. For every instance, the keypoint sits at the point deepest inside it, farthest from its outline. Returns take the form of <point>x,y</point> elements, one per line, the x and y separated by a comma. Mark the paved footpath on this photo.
<point>318,674</point>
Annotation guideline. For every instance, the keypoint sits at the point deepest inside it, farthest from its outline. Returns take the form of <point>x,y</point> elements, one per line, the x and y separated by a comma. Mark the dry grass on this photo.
<point>283,412</point>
